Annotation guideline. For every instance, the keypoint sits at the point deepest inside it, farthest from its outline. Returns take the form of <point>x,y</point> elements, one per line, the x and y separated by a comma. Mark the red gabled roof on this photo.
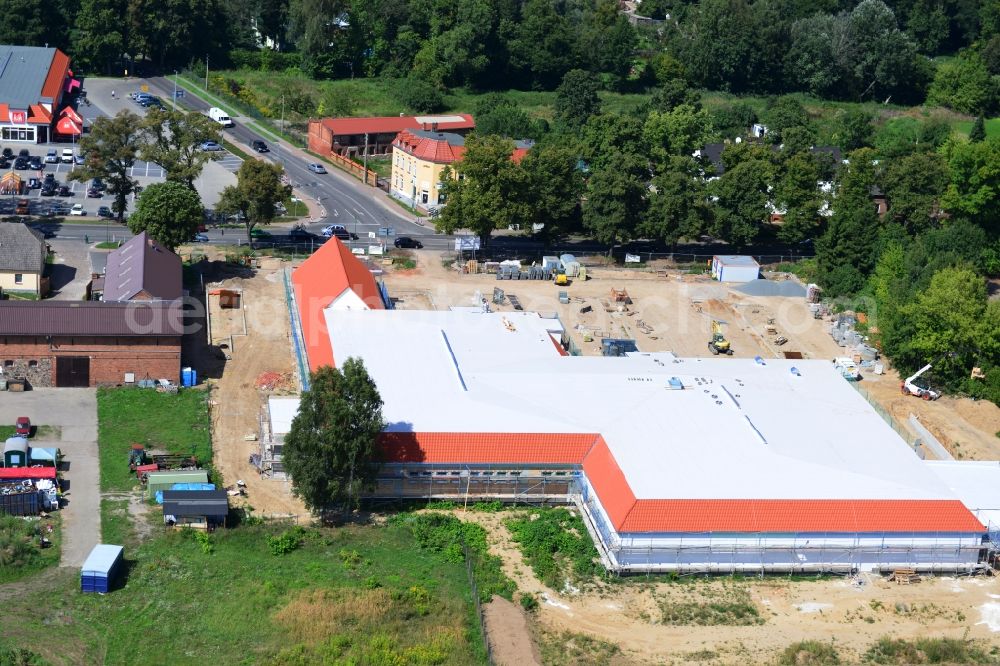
<point>390,124</point>
<point>318,282</point>
<point>27,472</point>
<point>58,71</point>
<point>37,114</point>
<point>608,482</point>
<point>437,148</point>
<point>485,448</point>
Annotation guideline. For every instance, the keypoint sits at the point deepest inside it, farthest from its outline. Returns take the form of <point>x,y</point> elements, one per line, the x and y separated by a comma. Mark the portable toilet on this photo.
<point>189,377</point>
<point>15,452</point>
<point>101,568</point>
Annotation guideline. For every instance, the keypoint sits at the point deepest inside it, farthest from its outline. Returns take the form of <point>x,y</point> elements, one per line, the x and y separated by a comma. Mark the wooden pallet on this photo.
<point>904,576</point>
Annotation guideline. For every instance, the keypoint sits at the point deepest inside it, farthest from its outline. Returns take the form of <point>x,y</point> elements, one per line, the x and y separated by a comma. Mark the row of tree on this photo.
<point>171,212</point>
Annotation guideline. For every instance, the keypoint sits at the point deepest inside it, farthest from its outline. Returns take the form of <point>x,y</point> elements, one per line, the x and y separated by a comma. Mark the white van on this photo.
<point>220,116</point>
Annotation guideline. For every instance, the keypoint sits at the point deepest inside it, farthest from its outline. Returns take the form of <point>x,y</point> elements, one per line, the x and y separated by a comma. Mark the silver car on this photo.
<point>316,168</point>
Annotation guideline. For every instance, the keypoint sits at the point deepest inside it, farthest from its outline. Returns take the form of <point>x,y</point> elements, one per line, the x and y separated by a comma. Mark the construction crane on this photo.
<point>719,344</point>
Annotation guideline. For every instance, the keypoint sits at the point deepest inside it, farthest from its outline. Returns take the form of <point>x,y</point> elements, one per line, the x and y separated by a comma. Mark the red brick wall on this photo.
<point>110,358</point>
<point>320,138</point>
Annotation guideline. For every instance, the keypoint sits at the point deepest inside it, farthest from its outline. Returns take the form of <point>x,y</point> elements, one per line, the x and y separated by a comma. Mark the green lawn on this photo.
<point>20,552</point>
<point>116,523</point>
<point>175,423</point>
<point>38,432</point>
<point>352,595</point>
<point>107,245</point>
<point>992,126</point>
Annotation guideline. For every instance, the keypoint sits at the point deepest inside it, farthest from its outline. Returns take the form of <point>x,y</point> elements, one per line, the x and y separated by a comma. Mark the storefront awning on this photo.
<point>68,112</point>
<point>72,84</point>
<point>67,126</point>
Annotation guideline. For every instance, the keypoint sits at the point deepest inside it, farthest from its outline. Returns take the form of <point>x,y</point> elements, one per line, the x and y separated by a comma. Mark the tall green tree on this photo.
<point>854,129</point>
<point>964,84</point>
<point>554,187</point>
<point>112,147</point>
<point>169,212</point>
<point>486,189</point>
<point>604,138</point>
<point>978,131</point>
<point>974,187</point>
<point>258,189</point>
<point>99,36</point>
<point>576,99</point>
<point>173,140</point>
<point>616,200</point>
<point>543,47</point>
<point>679,206</point>
<point>741,196</point>
<point>914,186</point>
<point>331,451</point>
<point>797,193</point>
<point>680,131</point>
<point>498,114</point>
<point>33,23</point>
<point>846,252</point>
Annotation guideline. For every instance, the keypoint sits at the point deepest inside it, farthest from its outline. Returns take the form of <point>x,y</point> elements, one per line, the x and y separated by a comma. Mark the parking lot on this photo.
<point>217,174</point>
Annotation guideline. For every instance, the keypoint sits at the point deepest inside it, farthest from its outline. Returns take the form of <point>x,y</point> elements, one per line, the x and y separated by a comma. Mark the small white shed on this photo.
<point>734,268</point>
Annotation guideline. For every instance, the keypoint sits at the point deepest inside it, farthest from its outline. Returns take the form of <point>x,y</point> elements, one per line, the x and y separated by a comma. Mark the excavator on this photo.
<point>719,344</point>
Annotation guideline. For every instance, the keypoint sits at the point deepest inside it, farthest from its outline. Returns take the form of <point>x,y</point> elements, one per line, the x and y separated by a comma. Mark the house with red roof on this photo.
<point>375,135</point>
<point>32,82</point>
<point>332,279</point>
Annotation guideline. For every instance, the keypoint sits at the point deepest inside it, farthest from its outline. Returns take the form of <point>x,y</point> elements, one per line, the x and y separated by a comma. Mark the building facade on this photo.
<point>419,159</point>
<point>22,260</point>
<point>375,135</point>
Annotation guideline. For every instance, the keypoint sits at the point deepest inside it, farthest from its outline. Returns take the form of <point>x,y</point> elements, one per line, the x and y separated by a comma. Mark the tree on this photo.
<point>420,96</point>
<point>680,131</point>
<point>734,120</point>
<point>616,200</point>
<point>258,188</point>
<point>741,194</point>
<point>679,207</point>
<point>169,212</point>
<point>173,140</point>
<point>99,36</point>
<point>576,99</point>
<point>606,137</point>
<point>974,187</point>
<point>315,30</point>
<point>112,147</point>
<point>554,187</point>
<point>964,84</point>
<point>854,129</point>
<point>782,114</point>
<point>500,115</point>
<point>914,185</point>
<point>33,23</point>
<point>486,189</point>
<point>331,451</point>
<point>846,252</point>
<point>542,50</point>
<point>978,132</point>
<point>797,193</point>
<point>673,93</point>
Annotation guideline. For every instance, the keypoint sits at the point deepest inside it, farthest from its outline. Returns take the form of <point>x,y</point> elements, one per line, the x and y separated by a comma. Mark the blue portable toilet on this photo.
<point>187,377</point>
<point>101,568</point>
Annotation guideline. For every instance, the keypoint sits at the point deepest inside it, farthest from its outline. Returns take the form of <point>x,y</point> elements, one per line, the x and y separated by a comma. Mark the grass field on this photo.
<point>175,423</point>
<point>20,553</point>
<point>352,595</point>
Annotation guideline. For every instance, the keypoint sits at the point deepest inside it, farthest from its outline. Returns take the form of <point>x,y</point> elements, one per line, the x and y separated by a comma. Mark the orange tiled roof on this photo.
<point>324,276</point>
<point>389,124</point>
<point>57,74</point>
<point>37,114</point>
<point>805,515</point>
<point>435,149</point>
<point>608,482</point>
<point>485,448</point>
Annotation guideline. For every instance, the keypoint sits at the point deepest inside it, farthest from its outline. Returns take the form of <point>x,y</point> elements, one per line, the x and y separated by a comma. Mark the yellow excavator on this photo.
<point>719,344</point>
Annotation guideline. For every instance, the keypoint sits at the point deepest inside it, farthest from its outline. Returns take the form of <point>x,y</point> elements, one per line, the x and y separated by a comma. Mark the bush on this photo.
<point>556,545</point>
<point>20,657</point>
<point>927,651</point>
<point>286,542</point>
<point>528,602</point>
<point>420,96</point>
<point>809,652</point>
<point>264,60</point>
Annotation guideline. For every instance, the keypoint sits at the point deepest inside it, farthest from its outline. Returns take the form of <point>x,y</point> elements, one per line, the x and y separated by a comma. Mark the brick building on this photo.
<point>66,344</point>
<point>350,136</point>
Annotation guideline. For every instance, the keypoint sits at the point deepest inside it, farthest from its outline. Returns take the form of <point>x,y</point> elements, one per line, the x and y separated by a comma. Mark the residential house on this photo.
<point>142,270</point>
<point>22,260</point>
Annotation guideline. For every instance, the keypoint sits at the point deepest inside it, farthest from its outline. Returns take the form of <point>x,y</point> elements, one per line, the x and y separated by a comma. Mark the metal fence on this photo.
<point>914,442</point>
<point>298,345</point>
<point>470,570</point>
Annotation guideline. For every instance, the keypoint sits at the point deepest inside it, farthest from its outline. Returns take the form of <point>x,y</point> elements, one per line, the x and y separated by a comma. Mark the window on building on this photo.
<point>8,363</point>
<point>423,196</point>
<point>32,364</point>
<point>18,278</point>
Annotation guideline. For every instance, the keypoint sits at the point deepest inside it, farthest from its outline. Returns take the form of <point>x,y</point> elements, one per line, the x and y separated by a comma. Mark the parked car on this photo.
<point>79,159</point>
<point>104,211</point>
<point>140,97</point>
<point>8,153</point>
<point>51,157</point>
<point>260,146</point>
<point>50,178</point>
<point>22,427</point>
<point>337,230</point>
<point>23,207</point>
<point>94,193</point>
<point>210,146</point>
<point>67,156</point>
<point>316,168</point>
<point>24,152</point>
<point>4,163</point>
<point>407,242</point>
<point>152,102</point>
<point>77,209</point>
<point>48,190</point>
<point>64,191</point>
<point>21,163</point>
<point>36,163</point>
<point>200,238</point>
<point>98,184</point>
<point>61,209</point>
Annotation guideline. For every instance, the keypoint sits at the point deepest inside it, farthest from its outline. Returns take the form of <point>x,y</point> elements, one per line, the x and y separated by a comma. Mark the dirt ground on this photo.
<point>236,402</point>
<point>677,312</point>
<point>509,635</point>
<point>852,613</point>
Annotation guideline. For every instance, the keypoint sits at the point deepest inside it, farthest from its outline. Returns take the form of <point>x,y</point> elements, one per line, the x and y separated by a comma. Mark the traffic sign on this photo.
<point>371,234</point>
<point>144,88</point>
<point>386,231</point>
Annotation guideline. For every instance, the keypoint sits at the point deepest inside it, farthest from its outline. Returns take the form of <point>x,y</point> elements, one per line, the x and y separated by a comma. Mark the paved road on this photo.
<point>345,201</point>
<point>75,412</point>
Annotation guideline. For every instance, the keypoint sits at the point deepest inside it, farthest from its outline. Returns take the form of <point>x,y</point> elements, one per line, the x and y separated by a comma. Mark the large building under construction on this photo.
<point>677,464</point>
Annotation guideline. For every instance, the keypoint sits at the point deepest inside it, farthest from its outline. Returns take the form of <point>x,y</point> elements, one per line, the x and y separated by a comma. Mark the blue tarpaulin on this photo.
<point>185,486</point>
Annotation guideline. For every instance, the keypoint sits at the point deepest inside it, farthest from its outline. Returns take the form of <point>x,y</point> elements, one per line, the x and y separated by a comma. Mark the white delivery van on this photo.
<point>220,116</point>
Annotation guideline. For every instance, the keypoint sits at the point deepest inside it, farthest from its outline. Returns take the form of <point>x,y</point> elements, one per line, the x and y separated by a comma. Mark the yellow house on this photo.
<point>22,260</point>
<point>418,158</point>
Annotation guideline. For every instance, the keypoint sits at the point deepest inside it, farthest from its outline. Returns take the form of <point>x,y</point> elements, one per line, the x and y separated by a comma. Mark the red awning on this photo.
<point>67,126</point>
<point>71,83</point>
<point>27,472</point>
<point>68,112</point>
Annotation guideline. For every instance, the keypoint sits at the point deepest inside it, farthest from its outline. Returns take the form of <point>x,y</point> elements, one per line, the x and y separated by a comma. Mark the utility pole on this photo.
<point>206,72</point>
<point>175,90</point>
<point>365,176</point>
<point>282,113</point>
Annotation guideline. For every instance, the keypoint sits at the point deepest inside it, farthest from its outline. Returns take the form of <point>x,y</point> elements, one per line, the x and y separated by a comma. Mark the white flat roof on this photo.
<point>976,483</point>
<point>282,411</point>
<point>737,430</point>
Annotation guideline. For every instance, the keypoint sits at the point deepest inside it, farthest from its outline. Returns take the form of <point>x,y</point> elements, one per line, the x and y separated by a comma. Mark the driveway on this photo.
<point>74,411</point>
<point>70,271</point>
